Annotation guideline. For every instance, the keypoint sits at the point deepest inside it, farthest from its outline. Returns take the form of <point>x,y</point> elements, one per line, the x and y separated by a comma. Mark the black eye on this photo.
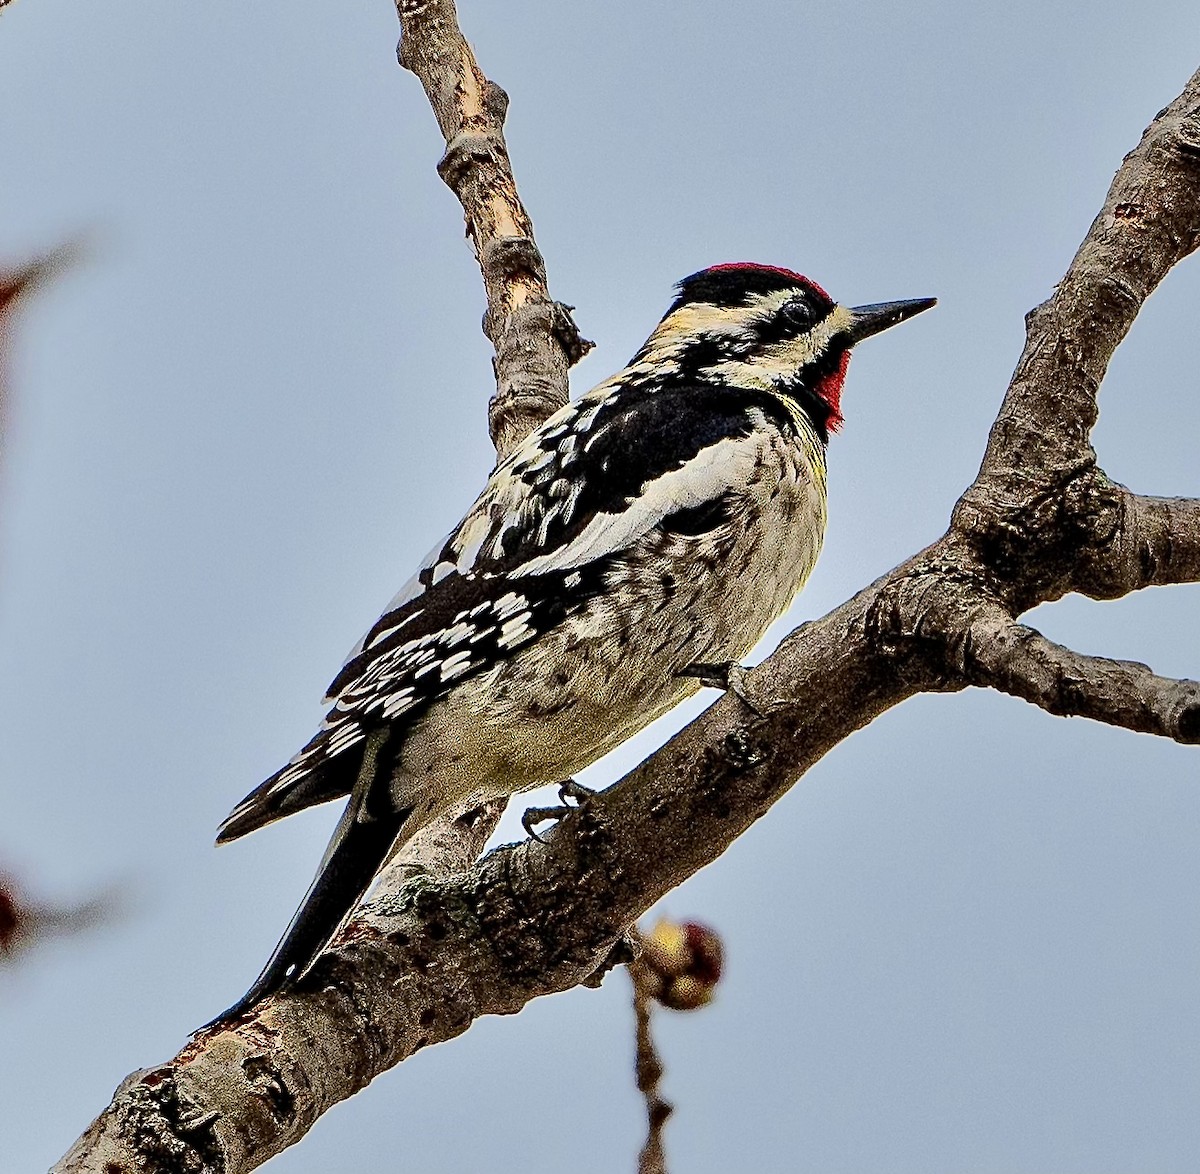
<point>799,315</point>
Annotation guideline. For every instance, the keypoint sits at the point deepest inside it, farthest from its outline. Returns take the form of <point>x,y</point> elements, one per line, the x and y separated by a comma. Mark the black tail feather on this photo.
<point>356,853</point>
<point>328,780</point>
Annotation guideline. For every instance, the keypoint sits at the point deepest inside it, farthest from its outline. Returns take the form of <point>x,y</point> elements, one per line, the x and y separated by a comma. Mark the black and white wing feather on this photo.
<point>593,480</point>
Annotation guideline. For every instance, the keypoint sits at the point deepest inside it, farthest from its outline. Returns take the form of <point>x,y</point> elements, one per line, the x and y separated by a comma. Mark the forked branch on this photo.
<point>1155,542</point>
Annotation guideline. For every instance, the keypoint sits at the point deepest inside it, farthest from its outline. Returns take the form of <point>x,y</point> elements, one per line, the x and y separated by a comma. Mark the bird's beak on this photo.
<point>868,320</point>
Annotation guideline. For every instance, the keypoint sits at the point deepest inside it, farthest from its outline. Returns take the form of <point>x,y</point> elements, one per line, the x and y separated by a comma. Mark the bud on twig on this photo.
<point>680,964</point>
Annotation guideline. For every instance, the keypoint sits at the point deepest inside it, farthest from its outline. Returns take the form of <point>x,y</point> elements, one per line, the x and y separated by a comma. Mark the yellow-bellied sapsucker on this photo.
<point>659,522</point>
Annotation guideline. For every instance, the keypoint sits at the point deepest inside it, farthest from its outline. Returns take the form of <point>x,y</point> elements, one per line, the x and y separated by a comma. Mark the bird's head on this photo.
<point>769,329</point>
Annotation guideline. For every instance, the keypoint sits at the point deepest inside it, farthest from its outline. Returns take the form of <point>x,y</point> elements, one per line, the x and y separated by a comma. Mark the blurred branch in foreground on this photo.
<point>25,923</point>
<point>17,283</point>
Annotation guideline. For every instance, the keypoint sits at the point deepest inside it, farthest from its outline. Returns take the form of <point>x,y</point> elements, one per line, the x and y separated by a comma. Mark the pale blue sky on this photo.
<point>967,941</point>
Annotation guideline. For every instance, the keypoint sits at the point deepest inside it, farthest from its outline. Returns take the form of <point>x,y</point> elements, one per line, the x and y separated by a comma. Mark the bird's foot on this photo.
<point>726,675</point>
<point>573,789</point>
<point>567,789</point>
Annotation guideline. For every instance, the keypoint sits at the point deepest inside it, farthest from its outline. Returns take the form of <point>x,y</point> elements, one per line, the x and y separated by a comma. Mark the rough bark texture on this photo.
<point>425,958</point>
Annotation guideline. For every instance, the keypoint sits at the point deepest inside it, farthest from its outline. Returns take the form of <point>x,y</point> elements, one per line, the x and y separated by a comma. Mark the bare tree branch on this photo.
<point>419,963</point>
<point>1040,502</point>
<point>1155,542</point>
<point>1150,221</point>
<point>1019,660</point>
<point>535,337</point>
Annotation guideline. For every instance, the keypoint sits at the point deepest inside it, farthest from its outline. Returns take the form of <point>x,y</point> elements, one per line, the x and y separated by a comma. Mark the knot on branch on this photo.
<point>535,344</point>
<point>264,1076</point>
<point>574,345</point>
<point>742,752</point>
<point>917,620</point>
<point>163,1124</point>
<point>1034,537</point>
<point>507,258</point>
<point>495,101</point>
<point>1182,138</point>
<point>466,153</point>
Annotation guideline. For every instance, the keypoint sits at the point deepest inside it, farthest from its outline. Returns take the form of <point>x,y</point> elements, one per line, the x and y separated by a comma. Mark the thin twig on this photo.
<point>1017,659</point>
<point>649,1068</point>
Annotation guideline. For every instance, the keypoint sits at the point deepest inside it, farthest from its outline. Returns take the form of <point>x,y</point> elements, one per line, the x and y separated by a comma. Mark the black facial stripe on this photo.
<point>802,386</point>
<point>799,316</point>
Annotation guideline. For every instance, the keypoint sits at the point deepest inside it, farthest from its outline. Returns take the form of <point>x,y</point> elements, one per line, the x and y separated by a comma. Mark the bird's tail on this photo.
<point>359,846</point>
<point>313,776</point>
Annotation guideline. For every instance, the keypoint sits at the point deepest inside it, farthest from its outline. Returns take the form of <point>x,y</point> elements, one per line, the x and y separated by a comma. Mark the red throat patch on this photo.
<point>830,390</point>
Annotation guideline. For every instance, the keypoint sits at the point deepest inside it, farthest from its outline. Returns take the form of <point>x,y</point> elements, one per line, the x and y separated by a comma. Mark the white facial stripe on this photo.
<point>766,306</point>
<point>677,333</point>
<point>680,330</point>
<point>704,318</point>
<point>705,477</point>
<point>783,359</point>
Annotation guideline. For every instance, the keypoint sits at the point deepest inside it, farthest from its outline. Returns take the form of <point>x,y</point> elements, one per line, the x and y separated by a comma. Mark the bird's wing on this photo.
<point>593,479</point>
<point>587,485</point>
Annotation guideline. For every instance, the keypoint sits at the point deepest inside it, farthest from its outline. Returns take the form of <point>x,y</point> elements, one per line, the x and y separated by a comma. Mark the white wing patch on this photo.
<point>505,504</point>
<point>702,479</point>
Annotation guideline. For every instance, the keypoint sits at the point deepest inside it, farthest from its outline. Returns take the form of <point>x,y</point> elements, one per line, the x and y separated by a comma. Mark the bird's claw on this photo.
<point>728,676</point>
<point>535,815</point>
<point>567,789</point>
<point>573,789</point>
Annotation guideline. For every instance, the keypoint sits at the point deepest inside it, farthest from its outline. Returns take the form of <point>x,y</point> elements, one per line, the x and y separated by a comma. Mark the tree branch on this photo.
<point>535,337</point>
<point>1033,509</point>
<point>418,964</point>
<point>1155,542</point>
<point>1019,660</point>
<point>1150,221</point>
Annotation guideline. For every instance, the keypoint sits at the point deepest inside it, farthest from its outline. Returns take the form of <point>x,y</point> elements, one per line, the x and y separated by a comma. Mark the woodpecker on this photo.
<point>657,523</point>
